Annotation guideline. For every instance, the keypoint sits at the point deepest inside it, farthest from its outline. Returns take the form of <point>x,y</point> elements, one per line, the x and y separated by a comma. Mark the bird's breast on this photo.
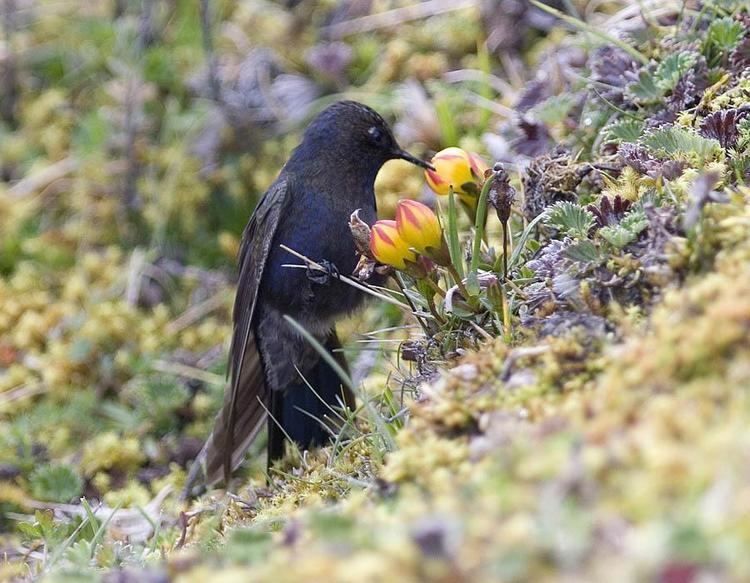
<point>319,231</point>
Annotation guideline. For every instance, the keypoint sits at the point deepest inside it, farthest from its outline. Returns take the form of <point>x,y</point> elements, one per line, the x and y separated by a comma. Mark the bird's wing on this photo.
<point>243,412</point>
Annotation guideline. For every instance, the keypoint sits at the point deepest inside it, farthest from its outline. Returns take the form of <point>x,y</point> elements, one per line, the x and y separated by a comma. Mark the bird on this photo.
<point>329,175</point>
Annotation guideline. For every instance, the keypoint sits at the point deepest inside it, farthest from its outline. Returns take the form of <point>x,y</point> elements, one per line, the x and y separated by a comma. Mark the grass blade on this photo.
<point>66,544</point>
<point>584,26</point>
<point>322,351</point>
<point>102,529</point>
<point>454,245</point>
<point>446,115</point>
<point>93,522</point>
<point>481,219</point>
<point>346,379</point>
<point>522,241</point>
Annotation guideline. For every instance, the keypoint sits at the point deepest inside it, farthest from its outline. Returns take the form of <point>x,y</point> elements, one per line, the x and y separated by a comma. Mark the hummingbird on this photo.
<point>276,377</point>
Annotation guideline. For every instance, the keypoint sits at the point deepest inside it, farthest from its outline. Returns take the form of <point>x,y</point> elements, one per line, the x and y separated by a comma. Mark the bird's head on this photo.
<point>354,136</point>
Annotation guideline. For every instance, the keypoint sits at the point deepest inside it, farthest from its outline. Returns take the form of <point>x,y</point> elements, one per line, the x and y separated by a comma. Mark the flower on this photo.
<point>418,226</point>
<point>458,169</point>
<point>388,247</point>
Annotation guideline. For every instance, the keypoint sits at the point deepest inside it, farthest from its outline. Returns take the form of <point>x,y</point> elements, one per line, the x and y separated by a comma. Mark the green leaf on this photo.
<point>472,284</point>
<point>616,236</point>
<point>635,221</point>
<point>646,89</point>
<point>90,516</point>
<point>92,132</point>
<point>682,144</point>
<point>553,110</point>
<point>627,231</point>
<point>724,34</point>
<point>672,68</point>
<point>29,531</point>
<point>99,534</point>
<point>584,251</point>
<point>570,219</point>
<point>391,406</point>
<point>624,130</point>
<point>56,483</point>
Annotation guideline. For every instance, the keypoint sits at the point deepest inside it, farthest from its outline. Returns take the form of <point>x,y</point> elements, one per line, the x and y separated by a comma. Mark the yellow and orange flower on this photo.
<point>388,247</point>
<point>458,169</point>
<point>418,226</point>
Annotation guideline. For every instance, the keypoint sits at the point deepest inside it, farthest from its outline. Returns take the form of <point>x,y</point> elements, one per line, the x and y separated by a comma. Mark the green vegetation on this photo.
<point>584,414</point>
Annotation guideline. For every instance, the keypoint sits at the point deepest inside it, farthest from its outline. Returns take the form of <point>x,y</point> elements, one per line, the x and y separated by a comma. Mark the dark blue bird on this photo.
<point>328,176</point>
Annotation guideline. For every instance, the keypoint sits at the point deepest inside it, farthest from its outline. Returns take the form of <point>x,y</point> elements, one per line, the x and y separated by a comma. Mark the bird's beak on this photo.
<point>404,155</point>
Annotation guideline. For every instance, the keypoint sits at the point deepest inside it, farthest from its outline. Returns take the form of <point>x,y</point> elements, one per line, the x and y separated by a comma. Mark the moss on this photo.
<point>571,452</point>
<point>604,432</point>
<point>109,451</point>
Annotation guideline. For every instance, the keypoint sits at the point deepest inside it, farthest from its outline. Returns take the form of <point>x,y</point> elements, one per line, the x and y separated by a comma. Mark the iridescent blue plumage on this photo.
<point>328,176</point>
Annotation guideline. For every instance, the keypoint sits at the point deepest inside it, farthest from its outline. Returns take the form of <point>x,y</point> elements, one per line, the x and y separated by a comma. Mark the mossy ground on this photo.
<point>603,434</point>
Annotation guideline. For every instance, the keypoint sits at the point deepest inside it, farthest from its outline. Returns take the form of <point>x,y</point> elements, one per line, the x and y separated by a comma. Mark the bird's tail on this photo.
<point>302,413</point>
<point>249,414</point>
<point>306,412</point>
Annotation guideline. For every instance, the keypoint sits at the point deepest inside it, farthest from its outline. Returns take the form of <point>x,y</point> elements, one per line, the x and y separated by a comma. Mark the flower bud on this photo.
<point>501,194</point>
<point>360,233</point>
<point>455,168</point>
<point>418,226</point>
<point>388,247</point>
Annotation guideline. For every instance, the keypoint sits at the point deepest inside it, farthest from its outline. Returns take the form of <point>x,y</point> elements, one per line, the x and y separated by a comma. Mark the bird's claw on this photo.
<point>323,277</point>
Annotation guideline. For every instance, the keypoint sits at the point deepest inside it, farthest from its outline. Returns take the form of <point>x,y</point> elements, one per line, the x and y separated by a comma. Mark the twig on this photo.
<point>474,75</point>
<point>482,332</point>
<point>135,273</point>
<point>23,392</point>
<point>133,171</point>
<point>148,33</point>
<point>208,49</point>
<point>10,94</point>
<point>518,353</point>
<point>190,372</point>
<point>184,523</point>
<point>395,17</point>
<point>44,177</point>
<point>196,312</point>
<point>134,110</point>
<point>348,280</point>
<point>494,107</point>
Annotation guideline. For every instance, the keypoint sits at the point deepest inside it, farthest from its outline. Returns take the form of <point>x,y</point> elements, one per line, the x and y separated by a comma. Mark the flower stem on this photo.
<point>423,324</point>
<point>507,324</point>
<point>431,305</point>
<point>481,219</point>
<point>454,245</point>
<point>435,287</point>
<point>459,281</point>
<point>505,250</point>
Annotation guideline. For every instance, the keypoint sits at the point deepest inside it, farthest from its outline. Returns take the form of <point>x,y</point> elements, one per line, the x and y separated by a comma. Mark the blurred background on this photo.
<point>135,139</point>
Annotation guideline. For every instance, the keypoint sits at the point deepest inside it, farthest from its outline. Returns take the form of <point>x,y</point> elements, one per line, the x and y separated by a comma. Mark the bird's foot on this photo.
<point>323,277</point>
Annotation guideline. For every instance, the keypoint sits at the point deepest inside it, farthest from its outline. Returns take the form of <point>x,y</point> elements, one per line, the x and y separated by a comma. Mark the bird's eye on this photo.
<point>377,136</point>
